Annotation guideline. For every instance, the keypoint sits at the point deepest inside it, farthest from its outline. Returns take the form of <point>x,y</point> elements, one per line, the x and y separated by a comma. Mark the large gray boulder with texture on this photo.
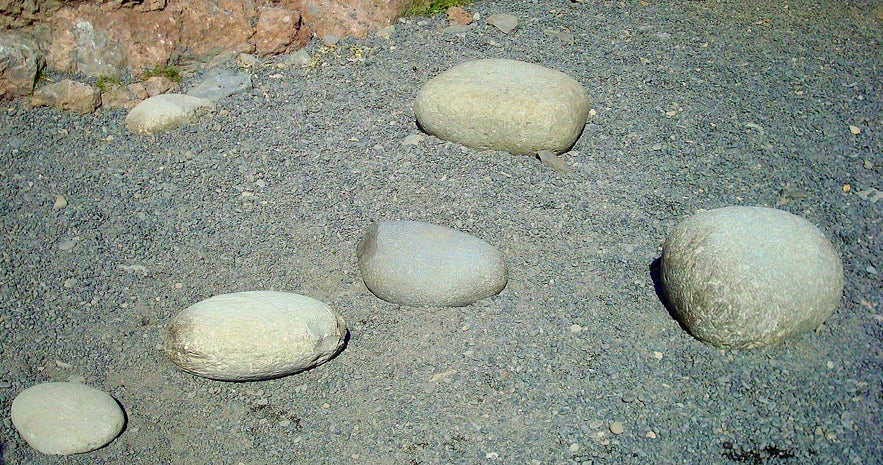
<point>247,336</point>
<point>167,111</point>
<point>745,277</point>
<point>508,105</point>
<point>420,264</point>
<point>66,418</point>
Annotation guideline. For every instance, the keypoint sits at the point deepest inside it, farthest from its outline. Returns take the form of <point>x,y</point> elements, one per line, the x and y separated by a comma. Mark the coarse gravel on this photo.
<point>698,105</point>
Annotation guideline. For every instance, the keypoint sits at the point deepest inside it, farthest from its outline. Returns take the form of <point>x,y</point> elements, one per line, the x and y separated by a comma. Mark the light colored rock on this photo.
<point>254,335</point>
<point>67,95</point>
<point>66,418</point>
<point>20,61</point>
<point>166,111</point>
<point>421,264</point>
<point>504,22</point>
<point>744,277</point>
<point>279,30</point>
<point>221,83</point>
<point>508,105</point>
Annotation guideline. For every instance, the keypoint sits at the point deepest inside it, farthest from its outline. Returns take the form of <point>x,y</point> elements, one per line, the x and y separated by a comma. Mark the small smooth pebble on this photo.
<point>617,428</point>
<point>66,418</point>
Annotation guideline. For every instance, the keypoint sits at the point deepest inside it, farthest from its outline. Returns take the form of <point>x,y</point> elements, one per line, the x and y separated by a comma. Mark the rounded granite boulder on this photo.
<point>508,105</point>
<point>745,277</point>
<point>66,418</point>
<point>420,264</point>
<point>247,336</point>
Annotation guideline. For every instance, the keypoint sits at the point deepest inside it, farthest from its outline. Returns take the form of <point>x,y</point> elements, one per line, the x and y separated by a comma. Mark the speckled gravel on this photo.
<point>697,105</point>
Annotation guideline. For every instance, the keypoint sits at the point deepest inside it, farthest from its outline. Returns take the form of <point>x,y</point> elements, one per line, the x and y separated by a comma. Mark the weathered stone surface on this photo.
<point>420,264</point>
<point>279,30</point>
<point>66,418</point>
<point>344,18</point>
<point>105,39</point>
<point>221,83</point>
<point>20,61</point>
<point>254,335</point>
<point>16,13</point>
<point>166,111</point>
<point>119,96</point>
<point>743,277</point>
<point>156,85</point>
<point>508,105</point>
<point>67,95</point>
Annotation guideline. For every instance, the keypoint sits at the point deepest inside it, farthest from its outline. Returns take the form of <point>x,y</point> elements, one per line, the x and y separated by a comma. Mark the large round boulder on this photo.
<point>66,418</point>
<point>508,105</point>
<point>744,277</point>
<point>420,264</point>
<point>254,335</point>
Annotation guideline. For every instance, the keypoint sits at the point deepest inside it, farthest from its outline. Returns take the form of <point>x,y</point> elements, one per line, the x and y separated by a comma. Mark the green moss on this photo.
<point>168,71</point>
<point>422,8</point>
<point>104,82</point>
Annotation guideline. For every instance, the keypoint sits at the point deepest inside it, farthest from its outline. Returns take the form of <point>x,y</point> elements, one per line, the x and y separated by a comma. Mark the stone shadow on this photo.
<point>655,269</point>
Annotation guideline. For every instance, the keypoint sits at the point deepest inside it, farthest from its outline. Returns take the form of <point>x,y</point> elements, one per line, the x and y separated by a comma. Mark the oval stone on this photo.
<point>66,418</point>
<point>508,105</point>
<point>421,264</point>
<point>744,277</point>
<point>166,111</point>
<point>254,335</point>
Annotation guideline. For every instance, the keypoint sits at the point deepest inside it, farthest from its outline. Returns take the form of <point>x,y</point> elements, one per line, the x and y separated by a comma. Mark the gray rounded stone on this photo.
<point>254,335</point>
<point>167,111</point>
<point>66,418</point>
<point>421,264</point>
<point>508,105</point>
<point>744,277</point>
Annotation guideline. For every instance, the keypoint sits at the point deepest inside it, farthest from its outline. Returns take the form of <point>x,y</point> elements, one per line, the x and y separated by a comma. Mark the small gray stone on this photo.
<point>255,335</point>
<point>166,111</point>
<point>221,83</point>
<point>509,105</point>
<point>420,264</point>
<point>744,277</point>
<point>504,22</point>
<point>66,418</point>
<point>300,58</point>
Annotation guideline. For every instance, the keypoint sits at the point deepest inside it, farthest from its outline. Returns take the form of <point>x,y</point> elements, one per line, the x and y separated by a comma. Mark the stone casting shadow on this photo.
<point>656,275</point>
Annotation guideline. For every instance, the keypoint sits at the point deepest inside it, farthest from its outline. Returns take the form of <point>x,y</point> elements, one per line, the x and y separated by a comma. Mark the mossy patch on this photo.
<point>422,8</point>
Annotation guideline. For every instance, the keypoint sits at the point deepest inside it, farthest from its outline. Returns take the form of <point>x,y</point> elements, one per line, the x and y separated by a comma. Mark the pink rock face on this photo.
<point>98,39</point>
<point>344,18</point>
<point>279,30</point>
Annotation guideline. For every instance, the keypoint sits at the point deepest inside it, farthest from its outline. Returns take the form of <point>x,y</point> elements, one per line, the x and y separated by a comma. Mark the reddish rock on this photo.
<point>344,18</point>
<point>279,30</point>
<point>156,85</point>
<point>209,27</point>
<point>67,95</point>
<point>118,96</point>
<point>457,15</point>
<point>20,61</point>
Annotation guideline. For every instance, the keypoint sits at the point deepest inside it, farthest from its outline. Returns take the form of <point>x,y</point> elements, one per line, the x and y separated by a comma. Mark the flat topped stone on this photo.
<point>743,277</point>
<point>254,335</point>
<point>66,418</point>
<point>508,105</point>
<point>421,264</point>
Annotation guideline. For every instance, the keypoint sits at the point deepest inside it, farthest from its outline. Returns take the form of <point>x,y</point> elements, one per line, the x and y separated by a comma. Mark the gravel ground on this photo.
<point>699,105</point>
